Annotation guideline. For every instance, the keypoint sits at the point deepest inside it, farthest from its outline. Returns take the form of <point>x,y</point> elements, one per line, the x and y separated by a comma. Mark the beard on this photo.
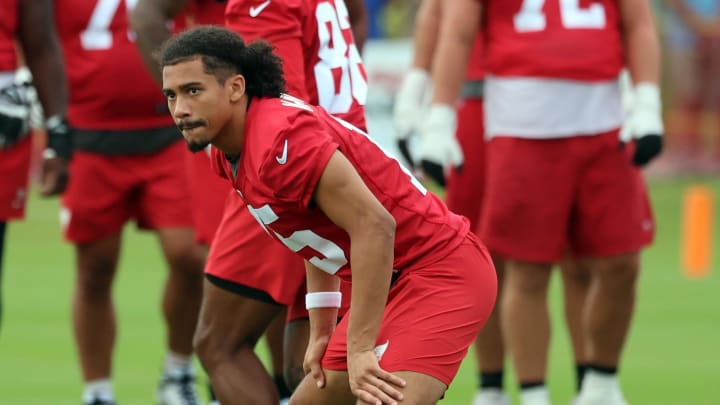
<point>195,146</point>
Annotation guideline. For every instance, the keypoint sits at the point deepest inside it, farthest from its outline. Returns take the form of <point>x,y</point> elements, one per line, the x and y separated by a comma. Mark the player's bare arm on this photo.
<point>43,56</point>
<point>458,28</point>
<point>149,22</point>
<point>346,200</point>
<point>322,321</point>
<point>358,22</point>
<point>642,48</point>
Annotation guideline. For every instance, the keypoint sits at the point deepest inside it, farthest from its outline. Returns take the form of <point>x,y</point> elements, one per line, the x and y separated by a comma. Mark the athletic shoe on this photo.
<point>491,396</point>
<point>177,387</point>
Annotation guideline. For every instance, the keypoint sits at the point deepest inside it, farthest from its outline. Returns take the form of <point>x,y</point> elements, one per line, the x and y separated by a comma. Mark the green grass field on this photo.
<point>672,357</point>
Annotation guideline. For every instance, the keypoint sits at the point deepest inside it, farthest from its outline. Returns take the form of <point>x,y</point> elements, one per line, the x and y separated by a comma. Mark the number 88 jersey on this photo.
<point>313,38</point>
<point>560,39</point>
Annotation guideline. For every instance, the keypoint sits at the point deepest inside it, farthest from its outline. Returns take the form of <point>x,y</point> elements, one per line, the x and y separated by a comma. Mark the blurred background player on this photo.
<point>27,26</point>
<point>125,168</point>
<point>319,60</point>
<point>561,121</point>
<point>442,43</point>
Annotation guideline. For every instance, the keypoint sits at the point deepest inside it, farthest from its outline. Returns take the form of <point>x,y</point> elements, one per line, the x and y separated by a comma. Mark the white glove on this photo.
<point>411,101</point>
<point>644,123</point>
<point>410,105</point>
<point>439,148</point>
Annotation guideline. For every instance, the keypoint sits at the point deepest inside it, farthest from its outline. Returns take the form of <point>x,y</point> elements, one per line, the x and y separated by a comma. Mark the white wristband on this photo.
<point>327,299</point>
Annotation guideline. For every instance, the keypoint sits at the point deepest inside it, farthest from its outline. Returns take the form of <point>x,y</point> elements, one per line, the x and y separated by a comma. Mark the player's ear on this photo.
<point>237,88</point>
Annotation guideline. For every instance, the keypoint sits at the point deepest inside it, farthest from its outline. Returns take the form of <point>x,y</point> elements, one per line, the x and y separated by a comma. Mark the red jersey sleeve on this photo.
<point>297,159</point>
<point>281,24</point>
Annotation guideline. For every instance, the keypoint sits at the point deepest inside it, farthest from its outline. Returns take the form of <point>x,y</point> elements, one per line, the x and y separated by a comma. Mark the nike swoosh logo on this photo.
<point>282,159</point>
<point>255,11</point>
<point>380,350</point>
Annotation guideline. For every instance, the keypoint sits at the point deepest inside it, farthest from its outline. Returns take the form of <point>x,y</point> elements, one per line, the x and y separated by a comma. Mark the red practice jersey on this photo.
<point>287,147</point>
<point>8,30</point>
<point>321,63</point>
<point>539,38</point>
<point>110,87</point>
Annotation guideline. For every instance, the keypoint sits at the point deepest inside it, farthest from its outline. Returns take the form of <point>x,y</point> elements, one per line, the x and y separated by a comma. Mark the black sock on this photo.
<point>491,380</point>
<point>531,384</point>
<point>580,370</point>
<point>281,387</point>
<point>609,371</point>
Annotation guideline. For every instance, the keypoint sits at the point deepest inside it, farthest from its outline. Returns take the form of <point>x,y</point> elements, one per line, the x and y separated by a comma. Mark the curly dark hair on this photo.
<point>224,53</point>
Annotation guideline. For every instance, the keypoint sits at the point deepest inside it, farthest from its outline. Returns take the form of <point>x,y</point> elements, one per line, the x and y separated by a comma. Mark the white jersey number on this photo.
<point>530,18</point>
<point>337,54</point>
<point>97,35</point>
<point>334,257</point>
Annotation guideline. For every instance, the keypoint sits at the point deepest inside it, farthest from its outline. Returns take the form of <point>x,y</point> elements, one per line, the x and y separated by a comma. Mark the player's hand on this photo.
<point>410,104</point>
<point>371,384</point>
<point>54,176</point>
<point>439,148</point>
<point>313,355</point>
<point>56,157</point>
<point>643,124</point>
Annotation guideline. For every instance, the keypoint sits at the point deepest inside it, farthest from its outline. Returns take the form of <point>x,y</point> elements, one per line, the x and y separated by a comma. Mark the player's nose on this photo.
<point>181,108</point>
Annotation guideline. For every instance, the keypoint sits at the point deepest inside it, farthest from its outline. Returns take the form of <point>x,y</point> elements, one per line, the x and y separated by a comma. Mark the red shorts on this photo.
<point>248,261</point>
<point>466,188</point>
<point>432,316</point>
<point>208,192</point>
<point>107,191</point>
<point>245,260</point>
<point>579,194</point>
<point>15,170</point>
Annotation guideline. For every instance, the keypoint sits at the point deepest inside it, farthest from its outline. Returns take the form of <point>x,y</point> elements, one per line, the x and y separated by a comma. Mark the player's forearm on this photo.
<point>459,27</point>
<point>427,24</point>
<point>642,48</point>
<point>43,56</point>
<point>372,260</point>
<point>149,22</point>
<point>322,320</point>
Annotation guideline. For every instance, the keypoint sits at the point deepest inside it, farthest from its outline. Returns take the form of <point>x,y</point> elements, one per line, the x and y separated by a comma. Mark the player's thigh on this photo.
<point>421,389</point>
<point>228,319</point>
<point>164,197</point>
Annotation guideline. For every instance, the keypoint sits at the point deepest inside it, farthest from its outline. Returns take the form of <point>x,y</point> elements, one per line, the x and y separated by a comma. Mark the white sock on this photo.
<point>537,395</point>
<point>175,361</point>
<point>600,382</point>
<point>101,388</point>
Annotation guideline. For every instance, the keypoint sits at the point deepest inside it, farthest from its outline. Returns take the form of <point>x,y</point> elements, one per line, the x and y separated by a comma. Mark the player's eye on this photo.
<point>193,91</point>
<point>170,96</point>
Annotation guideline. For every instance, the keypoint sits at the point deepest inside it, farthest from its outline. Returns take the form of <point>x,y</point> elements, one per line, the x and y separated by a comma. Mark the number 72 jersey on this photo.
<point>559,39</point>
<point>321,62</point>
